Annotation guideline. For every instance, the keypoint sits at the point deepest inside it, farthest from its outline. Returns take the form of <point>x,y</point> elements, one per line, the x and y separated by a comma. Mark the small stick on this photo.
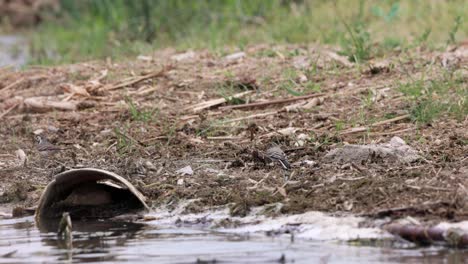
<point>223,138</point>
<point>392,132</point>
<point>398,118</point>
<point>132,138</point>
<point>8,110</point>
<point>138,79</point>
<point>362,129</point>
<point>272,102</point>
<point>430,188</point>
<point>250,117</point>
<point>11,85</point>
<point>215,102</point>
<point>154,138</point>
<point>350,179</point>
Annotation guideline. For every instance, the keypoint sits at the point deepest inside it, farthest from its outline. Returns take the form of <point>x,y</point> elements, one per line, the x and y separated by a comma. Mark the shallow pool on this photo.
<point>22,242</point>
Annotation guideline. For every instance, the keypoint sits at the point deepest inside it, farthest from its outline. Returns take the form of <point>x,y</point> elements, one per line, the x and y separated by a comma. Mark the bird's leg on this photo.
<point>286,175</point>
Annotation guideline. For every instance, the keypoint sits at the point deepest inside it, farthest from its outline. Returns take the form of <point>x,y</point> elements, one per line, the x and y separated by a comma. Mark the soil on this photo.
<point>146,130</point>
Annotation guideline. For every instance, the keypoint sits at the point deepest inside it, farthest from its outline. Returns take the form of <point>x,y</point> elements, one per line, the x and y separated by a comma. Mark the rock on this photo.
<point>394,151</point>
<point>150,166</point>
<point>187,170</point>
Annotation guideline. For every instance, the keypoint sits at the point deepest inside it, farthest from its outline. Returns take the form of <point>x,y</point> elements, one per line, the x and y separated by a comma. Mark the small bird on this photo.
<point>275,153</point>
<point>46,148</point>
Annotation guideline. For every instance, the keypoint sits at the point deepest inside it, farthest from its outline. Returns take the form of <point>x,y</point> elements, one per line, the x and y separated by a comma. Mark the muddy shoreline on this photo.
<point>141,119</point>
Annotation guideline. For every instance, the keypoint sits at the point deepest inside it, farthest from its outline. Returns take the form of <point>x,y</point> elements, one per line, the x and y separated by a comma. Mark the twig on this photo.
<point>429,188</point>
<point>214,102</point>
<point>132,138</point>
<point>272,102</point>
<point>108,148</point>
<point>350,179</point>
<point>398,118</point>
<point>11,85</point>
<point>392,132</point>
<point>210,160</point>
<point>362,129</point>
<point>223,138</point>
<point>8,110</point>
<point>138,79</point>
<point>251,117</point>
<point>154,138</point>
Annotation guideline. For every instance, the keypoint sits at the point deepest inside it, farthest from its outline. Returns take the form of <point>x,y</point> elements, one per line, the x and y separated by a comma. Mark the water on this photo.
<point>13,51</point>
<point>22,242</point>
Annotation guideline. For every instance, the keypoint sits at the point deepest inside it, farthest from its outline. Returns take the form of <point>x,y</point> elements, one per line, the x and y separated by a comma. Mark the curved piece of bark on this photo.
<point>84,192</point>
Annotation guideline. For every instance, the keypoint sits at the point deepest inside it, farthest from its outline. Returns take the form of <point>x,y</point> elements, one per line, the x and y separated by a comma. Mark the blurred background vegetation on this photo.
<point>92,29</point>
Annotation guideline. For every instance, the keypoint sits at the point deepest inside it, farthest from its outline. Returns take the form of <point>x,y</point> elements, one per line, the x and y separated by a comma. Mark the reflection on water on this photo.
<point>22,242</point>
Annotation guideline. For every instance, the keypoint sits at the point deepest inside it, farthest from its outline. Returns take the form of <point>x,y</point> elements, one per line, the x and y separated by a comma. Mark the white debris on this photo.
<point>301,140</point>
<point>144,58</point>
<point>180,181</point>
<point>301,62</point>
<point>187,170</point>
<point>106,131</point>
<point>309,163</point>
<point>304,105</point>
<point>310,225</point>
<point>288,131</point>
<point>460,225</point>
<point>235,56</point>
<point>211,170</point>
<point>52,129</point>
<point>149,165</point>
<point>183,56</point>
<point>21,156</point>
<point>38,131</point>
<point>302,78</point>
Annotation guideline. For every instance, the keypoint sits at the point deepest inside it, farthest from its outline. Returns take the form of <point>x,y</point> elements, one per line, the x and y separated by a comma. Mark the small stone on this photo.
<point>309,163</point>
<point>149,165</point>
<point>187,170</point>
<point>180,181</point>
